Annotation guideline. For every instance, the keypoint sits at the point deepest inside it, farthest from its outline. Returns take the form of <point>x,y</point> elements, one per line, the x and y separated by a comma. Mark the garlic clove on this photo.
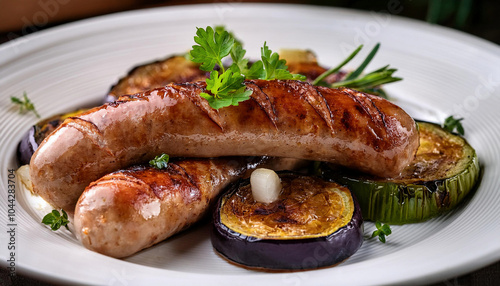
<point>266,185</point>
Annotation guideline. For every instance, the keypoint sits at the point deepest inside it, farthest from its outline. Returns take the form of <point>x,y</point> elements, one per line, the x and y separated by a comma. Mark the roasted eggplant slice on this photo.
<point>156,74</point>
<point>314,223</point>
<point>445,170</point>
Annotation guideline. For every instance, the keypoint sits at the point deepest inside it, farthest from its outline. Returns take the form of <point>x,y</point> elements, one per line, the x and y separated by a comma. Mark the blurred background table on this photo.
<point>479,18</point>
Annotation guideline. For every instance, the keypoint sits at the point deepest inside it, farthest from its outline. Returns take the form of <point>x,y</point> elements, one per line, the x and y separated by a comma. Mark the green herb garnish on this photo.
<point>160,162</point>
<point>226,85</point>
<point>382,231</point>
<point>450,124</point>
<point>271,67</point>
<point>56,220</point>
<point>336,69</point>
<point>366,83</point>
<point>25,104</point>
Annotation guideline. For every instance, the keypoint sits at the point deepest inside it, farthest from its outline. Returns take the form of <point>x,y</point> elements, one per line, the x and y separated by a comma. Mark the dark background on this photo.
<point>480,18</point>
<point>20,17</point>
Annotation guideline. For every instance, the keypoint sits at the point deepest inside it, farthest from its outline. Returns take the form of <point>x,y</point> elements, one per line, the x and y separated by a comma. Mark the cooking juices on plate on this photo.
<point>241,109</point>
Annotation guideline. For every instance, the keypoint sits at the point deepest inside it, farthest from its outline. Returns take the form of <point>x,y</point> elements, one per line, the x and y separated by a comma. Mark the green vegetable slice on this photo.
<point>444,171</point>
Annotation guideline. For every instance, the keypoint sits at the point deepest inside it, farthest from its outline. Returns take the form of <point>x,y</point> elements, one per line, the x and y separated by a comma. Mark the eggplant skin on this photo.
<point>156,74</point>
<point>290,254</point>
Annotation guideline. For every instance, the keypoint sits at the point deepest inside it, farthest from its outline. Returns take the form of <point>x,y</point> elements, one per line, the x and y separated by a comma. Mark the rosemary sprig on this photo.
<point>367,83</point>
<point>363,65</point>
<point>373,79</point>
<point>337,68</point>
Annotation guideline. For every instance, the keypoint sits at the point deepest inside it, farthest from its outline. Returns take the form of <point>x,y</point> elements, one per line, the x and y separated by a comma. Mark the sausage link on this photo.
<point>282,119</point>
<point>129,210</point>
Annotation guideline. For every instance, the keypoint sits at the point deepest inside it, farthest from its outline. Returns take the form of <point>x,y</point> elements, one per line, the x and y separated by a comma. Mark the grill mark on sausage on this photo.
<point>366,100</point>
<point>319,106</point>
<point>360,104</point>
<point>327,106</point>
<point>199,102</point>
<point>190,192</point>
<point>382,116</point>
<point>375,115</point>
<point>263,100</point>
<point>187,175</point>
<point>345,120</point>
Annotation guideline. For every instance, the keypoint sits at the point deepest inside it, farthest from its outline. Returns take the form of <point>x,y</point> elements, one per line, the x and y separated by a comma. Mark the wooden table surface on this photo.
<point>22,17</point>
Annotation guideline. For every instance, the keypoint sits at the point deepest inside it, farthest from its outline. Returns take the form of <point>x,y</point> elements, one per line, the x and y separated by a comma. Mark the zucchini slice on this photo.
<point>445,170</point>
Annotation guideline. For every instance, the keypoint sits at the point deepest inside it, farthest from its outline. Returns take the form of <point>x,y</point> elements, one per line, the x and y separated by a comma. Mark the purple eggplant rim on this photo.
<point>289,254</point>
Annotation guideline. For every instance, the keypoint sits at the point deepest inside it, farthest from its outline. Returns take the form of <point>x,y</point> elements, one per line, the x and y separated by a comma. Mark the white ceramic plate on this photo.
<point>445,72</point>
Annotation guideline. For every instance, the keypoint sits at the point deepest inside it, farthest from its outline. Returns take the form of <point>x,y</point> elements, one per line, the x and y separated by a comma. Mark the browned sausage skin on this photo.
<point>283,119</point>
<point>129,210</point>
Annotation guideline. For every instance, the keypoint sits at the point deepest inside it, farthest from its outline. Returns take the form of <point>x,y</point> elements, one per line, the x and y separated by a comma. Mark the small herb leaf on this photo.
<point>226,87</point>
<point>55,220</point>
<point>274,67</point>
<point>160,162</point>
<point>382,231</point>
<point>25,104</point>
<point>212,47</point>
<point>450,124</point>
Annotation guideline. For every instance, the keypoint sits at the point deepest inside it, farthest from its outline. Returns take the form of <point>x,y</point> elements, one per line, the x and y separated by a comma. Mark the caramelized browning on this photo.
<point>282,119</point>
<point>437,157</point>
<point>129,210</point>
<point>308,207</point>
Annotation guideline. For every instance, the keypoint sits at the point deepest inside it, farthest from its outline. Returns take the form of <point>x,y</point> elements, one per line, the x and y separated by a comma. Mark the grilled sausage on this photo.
<point>282,119</point>
<point>129,210</point>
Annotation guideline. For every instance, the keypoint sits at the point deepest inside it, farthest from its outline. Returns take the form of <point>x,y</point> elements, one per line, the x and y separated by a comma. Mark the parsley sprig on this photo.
<point>382,231</point>
<point>160,162</point>
<point>365,83</point>
<point>270,67</point>
<point>25,104</point>
<point>450,124</point>
<point>226,86</point>
<point>55,220</point>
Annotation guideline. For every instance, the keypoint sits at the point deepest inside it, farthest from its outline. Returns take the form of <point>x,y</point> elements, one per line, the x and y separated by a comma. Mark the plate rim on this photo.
<point>51,32</point>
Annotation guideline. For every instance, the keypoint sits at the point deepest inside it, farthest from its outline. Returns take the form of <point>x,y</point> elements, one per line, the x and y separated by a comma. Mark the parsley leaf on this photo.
<point>212,48</point>
<point>56,220</point>
<point>222,28</point>
<point>382,231</point>
<point>271,67</point>
<point>226,86</point>
<point>227,89</point>
<point>25,104</point>
<point>240,64</point>
<point>160,162</point>
<point>451,124</point>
